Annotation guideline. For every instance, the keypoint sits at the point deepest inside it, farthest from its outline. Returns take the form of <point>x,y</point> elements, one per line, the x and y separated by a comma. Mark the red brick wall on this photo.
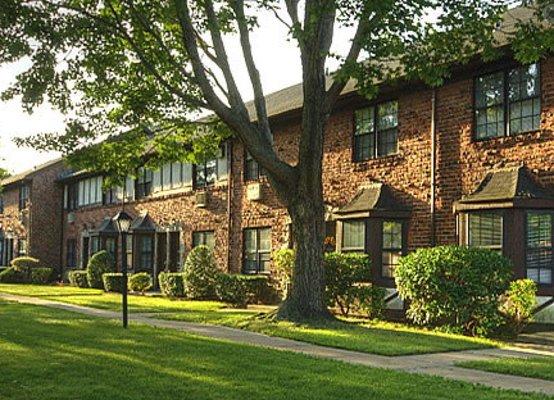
<point>40,221</point>
<point>461,164</point>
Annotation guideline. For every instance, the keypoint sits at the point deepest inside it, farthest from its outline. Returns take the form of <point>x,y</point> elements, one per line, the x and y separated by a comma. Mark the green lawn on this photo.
<point>53,354</point>
<point>535,367</point>
<point>372,337</point>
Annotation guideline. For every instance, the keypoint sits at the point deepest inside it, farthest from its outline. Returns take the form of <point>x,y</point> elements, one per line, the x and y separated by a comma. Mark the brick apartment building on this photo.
<point>471,163</point>
<point>30,215</point>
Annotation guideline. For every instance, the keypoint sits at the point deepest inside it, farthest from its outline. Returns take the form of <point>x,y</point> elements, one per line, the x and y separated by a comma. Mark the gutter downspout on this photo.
<point>62,235</point>
<point>433,167</point>
<point>229,202</point>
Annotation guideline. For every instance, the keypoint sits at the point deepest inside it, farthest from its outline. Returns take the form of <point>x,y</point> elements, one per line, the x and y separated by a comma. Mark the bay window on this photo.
<point>485,230</point>
<point>392,247</point>
<point>539,249</point>
<point>353,236</point>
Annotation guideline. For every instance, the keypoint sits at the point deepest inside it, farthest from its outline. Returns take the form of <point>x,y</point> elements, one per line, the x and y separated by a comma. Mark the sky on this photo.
<point>277,59</point>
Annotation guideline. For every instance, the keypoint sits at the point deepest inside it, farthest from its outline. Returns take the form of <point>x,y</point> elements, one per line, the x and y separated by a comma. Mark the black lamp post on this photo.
<point>123,221</point>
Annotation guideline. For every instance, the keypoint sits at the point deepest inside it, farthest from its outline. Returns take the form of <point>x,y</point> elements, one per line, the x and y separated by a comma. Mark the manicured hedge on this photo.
<point>113,282</point>
<point>11,275</point>
<point>78,277</point>
<point>99,264</point>
<point>25,264</point>
<point>232,289</point>
<point>140,282</point>
<point>200,274</point>
<point>172,284</point>
<point>454,287</point>
<point>41,275</point>
<point>343,273</point>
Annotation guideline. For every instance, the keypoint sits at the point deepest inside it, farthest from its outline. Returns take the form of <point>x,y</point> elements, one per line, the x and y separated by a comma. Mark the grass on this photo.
<point>534,367</point>
<point>379,337</point>
<point>53,354</point>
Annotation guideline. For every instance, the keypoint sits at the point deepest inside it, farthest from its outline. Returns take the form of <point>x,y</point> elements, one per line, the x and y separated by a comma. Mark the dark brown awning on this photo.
<point>508,188</point>
<point>374,200</point>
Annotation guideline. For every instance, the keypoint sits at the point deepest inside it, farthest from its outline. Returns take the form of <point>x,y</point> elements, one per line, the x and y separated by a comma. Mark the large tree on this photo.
<point>142,72</point>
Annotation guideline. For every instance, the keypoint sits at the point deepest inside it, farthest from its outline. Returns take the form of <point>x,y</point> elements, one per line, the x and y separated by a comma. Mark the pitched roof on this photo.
<point>509,187</point>
<point>29,173</point>
<point>143,223</point>
<point>373,199</point>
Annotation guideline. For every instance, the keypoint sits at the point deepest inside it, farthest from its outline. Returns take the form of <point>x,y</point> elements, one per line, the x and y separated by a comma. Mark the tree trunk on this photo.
<point>305,300</point>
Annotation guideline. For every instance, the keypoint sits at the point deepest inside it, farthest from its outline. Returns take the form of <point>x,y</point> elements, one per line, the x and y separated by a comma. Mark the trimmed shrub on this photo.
<point>518,304</point>
<point>41,275</point>
<point>113,282</point>
<point>172,284</point>
<point>200,274</point>
<point>369,300</point>
<point>342,272</point>
<point>232,289</point>
<point>25,265</point>
<point>457,288</point>
<point>11,275</point>
<point>78,277</point>
<point>140,282</point>
<point>283,264</point>
<point>240,290</point>
<point>99,264</point>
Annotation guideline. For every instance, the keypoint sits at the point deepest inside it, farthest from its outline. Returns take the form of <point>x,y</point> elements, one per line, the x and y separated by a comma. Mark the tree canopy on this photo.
<point>144,74</point>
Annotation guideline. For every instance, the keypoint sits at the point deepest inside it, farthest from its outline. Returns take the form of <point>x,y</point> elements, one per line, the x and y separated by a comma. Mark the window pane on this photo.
<point>364,121</point>
<point>211,171</point>
<point>524,94</point>
<point>485,230</point>
<point>250,240</point>
<point>540,260</point>
<point>353,235</point>
<point>392,235</point>
<point>489,90</point>
<point>489,106</point>
<point>265,239</point>
<point>387,115</point>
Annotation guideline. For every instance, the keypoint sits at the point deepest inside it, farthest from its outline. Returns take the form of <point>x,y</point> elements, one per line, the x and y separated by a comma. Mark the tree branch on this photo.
<point>254,74</point>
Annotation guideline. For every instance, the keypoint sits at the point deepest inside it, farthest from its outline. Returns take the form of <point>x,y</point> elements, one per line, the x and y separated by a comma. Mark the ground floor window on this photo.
<point>71,255</point>
<point>257,250</point>
<point>391,248</point>
<point>145,253</point>
<point>353,236</point>
<point>22,247</point>
<point>129,251</point>
<point>205,238</point>
<point>539,249</point>
<point>485,230</point>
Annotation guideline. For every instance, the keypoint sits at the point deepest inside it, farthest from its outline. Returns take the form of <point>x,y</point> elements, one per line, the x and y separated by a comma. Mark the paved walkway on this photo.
<point>438,364</point>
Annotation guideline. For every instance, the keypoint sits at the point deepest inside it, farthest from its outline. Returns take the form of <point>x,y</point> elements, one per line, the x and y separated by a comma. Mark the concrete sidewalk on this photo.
<point>437,364</point>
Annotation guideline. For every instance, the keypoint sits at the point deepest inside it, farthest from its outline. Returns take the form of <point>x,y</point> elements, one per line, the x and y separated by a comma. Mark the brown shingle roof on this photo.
<point>371,199</point>
<point>510,187</point>
<point>29,173</point>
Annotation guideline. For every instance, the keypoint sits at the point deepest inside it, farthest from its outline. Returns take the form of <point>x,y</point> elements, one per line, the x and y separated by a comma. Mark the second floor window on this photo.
<point>23,197</point>
<point>507,102</point>
<point>205,174</point>
<point>90,191</point>
<point>143,183</point>
<point>376,131</point>
<point>252,170</point>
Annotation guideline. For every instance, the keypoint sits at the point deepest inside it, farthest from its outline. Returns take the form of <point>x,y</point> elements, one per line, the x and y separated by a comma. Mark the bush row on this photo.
<point>26,270</point>
<point>347,282</point>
